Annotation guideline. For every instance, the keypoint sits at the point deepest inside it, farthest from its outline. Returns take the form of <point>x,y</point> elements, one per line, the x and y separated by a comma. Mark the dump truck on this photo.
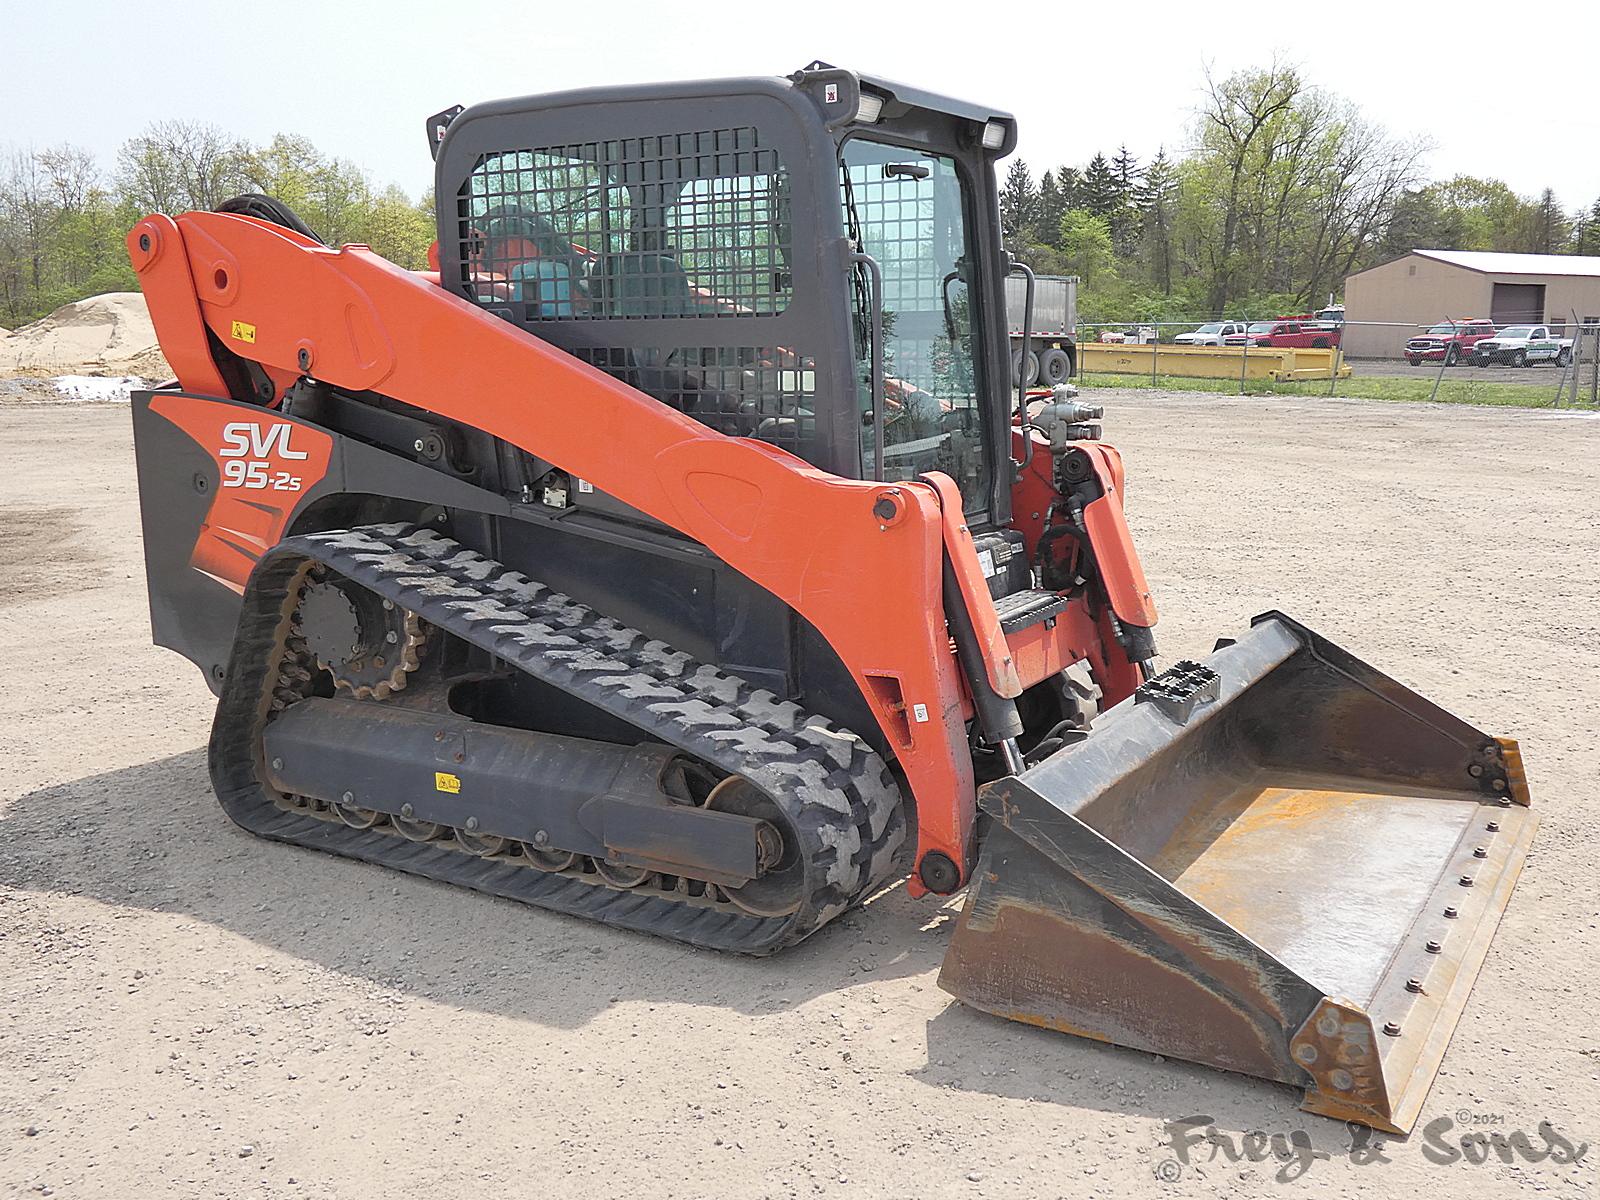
<point>676,552</point>
<point>1043,309</point>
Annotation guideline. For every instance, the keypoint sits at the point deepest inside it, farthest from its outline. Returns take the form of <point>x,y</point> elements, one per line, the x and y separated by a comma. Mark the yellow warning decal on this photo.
<point>443,781</point>
<point>243,331</point>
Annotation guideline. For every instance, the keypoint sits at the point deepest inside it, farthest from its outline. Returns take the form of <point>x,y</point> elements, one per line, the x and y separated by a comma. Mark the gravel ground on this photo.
<point>187,1011</point>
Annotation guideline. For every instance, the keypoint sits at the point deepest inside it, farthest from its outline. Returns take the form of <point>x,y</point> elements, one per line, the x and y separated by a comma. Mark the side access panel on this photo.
<point>222,482</point>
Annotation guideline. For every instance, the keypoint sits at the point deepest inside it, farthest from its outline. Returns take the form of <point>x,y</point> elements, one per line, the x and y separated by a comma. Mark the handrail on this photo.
<point>877,380</point>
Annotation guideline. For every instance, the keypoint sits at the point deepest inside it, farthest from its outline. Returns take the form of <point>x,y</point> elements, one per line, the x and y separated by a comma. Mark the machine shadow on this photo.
<point>974,1051</point>
<point>153,837</point>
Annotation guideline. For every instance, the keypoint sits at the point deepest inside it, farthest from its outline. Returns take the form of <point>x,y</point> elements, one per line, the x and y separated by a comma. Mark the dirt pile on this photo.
<point>101,335</point>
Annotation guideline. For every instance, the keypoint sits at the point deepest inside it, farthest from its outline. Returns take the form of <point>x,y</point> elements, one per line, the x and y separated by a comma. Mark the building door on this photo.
<point>1517,303</point>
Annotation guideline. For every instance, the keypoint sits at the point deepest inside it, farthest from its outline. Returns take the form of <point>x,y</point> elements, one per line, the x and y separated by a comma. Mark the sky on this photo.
<point>359,78</point>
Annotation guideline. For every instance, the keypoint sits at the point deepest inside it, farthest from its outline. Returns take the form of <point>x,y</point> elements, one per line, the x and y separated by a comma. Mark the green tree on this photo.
<point>176,166</point>
<point>1586,237</point>
<point>1052,206</point>
<point>1019,201</point>
<point>1099,191</point>
<point>1154,199</point>
<point>397,229</point>
<point>1237,134</point>
<point>63,221</point>
<point>1087,250</point>
<point>1552,228</point>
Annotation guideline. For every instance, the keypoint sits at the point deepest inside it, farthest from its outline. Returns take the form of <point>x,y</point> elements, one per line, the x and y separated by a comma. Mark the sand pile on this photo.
<point>101,335</point>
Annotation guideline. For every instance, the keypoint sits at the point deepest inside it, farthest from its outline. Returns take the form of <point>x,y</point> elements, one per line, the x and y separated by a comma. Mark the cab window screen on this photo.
<point>676,225</point>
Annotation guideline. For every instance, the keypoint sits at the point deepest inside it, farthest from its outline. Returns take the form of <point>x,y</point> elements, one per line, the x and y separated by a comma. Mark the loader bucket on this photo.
<point>1279,862</point>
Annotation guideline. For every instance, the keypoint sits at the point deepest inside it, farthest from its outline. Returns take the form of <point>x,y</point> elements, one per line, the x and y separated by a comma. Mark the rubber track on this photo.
<point>840,798</point>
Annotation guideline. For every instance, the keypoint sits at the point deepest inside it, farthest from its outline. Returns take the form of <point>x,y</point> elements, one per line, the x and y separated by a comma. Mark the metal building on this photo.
<point>1427,286</point>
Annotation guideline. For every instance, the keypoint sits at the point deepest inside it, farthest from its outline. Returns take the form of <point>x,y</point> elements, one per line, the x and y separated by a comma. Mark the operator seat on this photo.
<point>644,283</point>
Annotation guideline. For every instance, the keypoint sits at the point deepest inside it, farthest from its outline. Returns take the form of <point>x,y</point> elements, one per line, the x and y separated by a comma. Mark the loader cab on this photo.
<point>709,243</point>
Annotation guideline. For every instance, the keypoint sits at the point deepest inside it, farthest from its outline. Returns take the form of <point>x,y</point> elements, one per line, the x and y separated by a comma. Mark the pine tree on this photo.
<point>1019,201</point>
<point>1069,182</point>
<point>1553,230</point>
<point>1099,192</point>
<point>1124,217</point>
<point>1126,168</point>
<point>1053,205</point>
<point>1155,199</point>
<point>1586,239</point>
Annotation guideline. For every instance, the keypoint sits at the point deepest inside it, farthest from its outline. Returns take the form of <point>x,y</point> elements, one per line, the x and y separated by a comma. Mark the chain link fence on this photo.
<point>1536,364</point>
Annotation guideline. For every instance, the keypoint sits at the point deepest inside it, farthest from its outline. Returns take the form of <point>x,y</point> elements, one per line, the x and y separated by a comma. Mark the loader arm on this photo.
<point>862,561</point>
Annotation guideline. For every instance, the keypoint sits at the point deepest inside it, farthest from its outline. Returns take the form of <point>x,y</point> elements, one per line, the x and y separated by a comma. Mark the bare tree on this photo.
<point>24,228</point>
<point>71,176</point>
<point>174,166</point>
<point>1233,116</point>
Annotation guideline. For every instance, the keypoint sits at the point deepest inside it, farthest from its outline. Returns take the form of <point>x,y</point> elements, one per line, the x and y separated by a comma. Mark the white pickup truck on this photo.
<point>1522,346</point>
<point>1210,334</point>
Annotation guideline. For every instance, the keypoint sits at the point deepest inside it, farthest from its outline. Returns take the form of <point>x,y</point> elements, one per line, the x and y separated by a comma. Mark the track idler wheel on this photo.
<point>779,889</point>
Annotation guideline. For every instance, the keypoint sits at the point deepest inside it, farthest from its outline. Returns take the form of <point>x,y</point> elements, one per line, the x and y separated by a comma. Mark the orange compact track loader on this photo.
<point>678,553</point>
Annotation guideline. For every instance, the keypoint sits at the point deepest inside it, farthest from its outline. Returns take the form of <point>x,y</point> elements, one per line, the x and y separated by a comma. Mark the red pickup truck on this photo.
<point>1448,342</point>
<point>1299,333</point>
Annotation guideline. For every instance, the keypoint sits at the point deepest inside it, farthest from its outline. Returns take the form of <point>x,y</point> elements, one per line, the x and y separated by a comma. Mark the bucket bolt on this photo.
<point>1466,881</point>
<point>1433,947</point>
<point>1481,852</point>
<point>1451,912</point>
<point>1413,985</point>
<point>1493,826</point>
<point>1392,1028</point>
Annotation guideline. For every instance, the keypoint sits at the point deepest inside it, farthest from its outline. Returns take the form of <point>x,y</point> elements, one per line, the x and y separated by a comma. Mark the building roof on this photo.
<point>1493,262</point>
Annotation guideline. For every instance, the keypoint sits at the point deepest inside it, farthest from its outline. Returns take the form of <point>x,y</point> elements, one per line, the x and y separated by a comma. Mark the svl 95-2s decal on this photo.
<point>248,453</point>
<point>265,467</point>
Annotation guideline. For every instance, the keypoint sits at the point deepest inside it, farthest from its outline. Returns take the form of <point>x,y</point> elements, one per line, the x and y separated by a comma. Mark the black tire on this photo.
<point>1413,362</point>
<point>1519,358</point>
<point>1563,357</point>
<point>1031,375</point>
<point>1054,367</point>
<point>1452,356</point>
